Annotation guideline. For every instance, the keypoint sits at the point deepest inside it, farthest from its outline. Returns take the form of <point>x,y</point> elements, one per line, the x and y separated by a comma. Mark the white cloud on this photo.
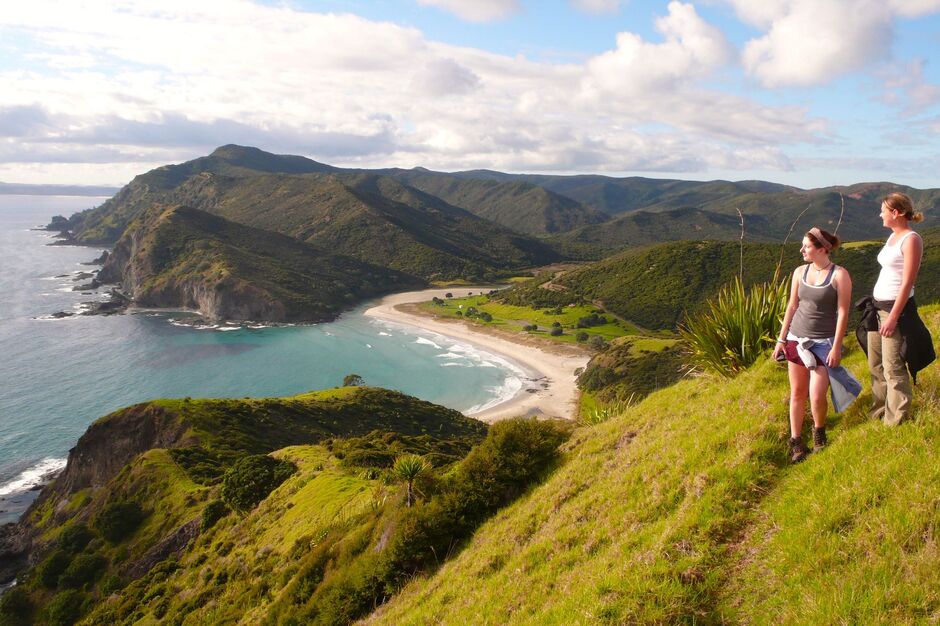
<point>810,42</point>
<point>692,48</point>
<point>914,8</point>
<point>168,85</point>
<point>816,40</point>
<point>477,10</point>
<point>596,7</point>
<point>906,88</point>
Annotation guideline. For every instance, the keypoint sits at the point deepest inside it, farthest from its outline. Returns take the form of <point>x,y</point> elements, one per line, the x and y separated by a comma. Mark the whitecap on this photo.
<point>427,342</point>
<point>510,388</point>
<point>451,355</point>
<point>32,476</point>
<point>228,328</point>
<point>369,345</point>
<point>384,334</point>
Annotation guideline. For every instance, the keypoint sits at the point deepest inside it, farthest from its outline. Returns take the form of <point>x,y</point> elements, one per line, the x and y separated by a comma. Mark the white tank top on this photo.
<point>891,260</point>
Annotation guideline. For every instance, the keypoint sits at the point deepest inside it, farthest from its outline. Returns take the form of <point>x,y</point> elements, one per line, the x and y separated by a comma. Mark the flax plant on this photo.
<point>738,325</point>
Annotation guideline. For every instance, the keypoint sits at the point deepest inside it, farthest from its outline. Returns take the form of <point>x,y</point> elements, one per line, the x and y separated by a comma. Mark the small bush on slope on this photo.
<point>252,478</point>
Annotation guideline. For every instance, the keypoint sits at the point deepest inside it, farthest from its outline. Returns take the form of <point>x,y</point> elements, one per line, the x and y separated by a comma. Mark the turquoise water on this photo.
<point>59,375</point>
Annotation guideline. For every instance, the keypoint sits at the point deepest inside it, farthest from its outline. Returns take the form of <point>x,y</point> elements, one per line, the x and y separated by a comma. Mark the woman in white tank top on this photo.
<point>900,260</point>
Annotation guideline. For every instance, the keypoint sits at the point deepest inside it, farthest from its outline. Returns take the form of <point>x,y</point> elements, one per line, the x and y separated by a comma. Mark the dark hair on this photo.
<point>832,240</point>
<point>902,203</point>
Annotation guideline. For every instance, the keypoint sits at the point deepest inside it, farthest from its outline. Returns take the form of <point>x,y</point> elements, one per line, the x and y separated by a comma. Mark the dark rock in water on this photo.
<point>117,304</point>
<point>82,276</point>
<point>62,276</point>
<point>14,551</point>
<point>94,284</point>
<point>100,260</point>
<point>59,222</point>
<point>60,314</point>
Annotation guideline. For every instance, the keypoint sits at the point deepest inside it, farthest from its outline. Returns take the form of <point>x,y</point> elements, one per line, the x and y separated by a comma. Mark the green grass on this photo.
<point>513,318</point>
<point>683,509</point>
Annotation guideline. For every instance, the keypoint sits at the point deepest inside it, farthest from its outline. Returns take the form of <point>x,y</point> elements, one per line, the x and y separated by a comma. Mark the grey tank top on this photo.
<point>816,315</point>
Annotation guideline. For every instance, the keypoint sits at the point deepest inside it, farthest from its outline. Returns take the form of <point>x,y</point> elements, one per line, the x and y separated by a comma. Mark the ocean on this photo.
<point>59,375</point>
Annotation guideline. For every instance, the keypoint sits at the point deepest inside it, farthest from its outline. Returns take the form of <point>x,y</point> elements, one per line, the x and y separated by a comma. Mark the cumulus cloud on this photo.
<point>810,42</point>
<point>168,85</point>
<point>477,10</point>
<point>906,87</point>
<point>444,77</point>
<point>596,7</point>
<point>692,48</point>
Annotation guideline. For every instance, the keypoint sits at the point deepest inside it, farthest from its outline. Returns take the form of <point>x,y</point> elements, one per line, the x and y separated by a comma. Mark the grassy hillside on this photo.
<point>146,497</point>
<point>521,206</point>
<point>183,257</point>
<point>640,228</point>
<point>683,509</point>
<point>362,215</point>
<point>653,285</point>
<point>106,223</point>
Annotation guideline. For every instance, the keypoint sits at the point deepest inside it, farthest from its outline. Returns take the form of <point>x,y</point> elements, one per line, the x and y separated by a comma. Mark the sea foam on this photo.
<point>32,476</point>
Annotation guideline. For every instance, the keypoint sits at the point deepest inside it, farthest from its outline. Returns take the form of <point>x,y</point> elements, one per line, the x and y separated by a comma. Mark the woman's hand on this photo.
<point>888,326</point>
<point>777,350</point>
<point>835,356</point>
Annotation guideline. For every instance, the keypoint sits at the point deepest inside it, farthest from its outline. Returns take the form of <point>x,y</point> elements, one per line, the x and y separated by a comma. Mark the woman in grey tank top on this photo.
<point>813,327</point>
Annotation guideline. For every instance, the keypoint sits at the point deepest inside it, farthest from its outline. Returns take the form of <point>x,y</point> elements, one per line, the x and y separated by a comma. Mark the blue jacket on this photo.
<point>843,387</point>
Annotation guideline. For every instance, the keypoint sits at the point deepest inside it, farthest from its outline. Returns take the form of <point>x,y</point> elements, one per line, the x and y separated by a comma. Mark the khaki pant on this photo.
<point>891,389</point>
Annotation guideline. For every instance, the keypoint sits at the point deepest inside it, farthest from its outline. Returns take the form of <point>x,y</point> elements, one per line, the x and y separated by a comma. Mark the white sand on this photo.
<point>551,369</point>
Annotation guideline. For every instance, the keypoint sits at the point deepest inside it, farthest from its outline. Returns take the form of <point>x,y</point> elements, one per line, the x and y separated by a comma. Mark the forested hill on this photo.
<point>180,257</point>
<point>516,204</point>
<point>654,285</point>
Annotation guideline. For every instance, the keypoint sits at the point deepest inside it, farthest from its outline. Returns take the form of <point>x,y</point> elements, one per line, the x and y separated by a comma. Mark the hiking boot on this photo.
<point>798,450</point>
<point>819,438</point>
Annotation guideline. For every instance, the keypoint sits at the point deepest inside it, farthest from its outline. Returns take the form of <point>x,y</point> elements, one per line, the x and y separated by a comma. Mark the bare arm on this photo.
<point>843,283</point>
<point>792,304</point>
<point>912,250</point>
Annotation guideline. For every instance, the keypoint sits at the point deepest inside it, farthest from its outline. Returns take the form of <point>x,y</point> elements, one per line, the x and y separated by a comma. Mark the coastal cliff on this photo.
<point>179,257</point>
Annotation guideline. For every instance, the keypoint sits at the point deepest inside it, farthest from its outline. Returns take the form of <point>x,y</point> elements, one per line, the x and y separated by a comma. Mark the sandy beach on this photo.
<point>550,388</point>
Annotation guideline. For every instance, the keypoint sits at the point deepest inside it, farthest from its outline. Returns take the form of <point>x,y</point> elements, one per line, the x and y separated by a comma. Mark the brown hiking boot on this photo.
<point>798,450</point>
<point>819,438</point>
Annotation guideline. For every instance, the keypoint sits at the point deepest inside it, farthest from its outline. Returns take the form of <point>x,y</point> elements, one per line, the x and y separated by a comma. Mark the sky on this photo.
<point>810,93</point>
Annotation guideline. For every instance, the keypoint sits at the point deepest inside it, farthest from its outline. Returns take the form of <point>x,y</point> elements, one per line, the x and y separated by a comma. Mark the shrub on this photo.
<point>556,332</point>
<point>51,568</point>
<point>16,607</point>
<point>556,324</point>
<point>252,478</point>
<point>597,342</point>
<point>84,569</point>
<point>213,512</point>
<point>111,584</point>
<point>486,317</point>
<point>530,327</point>
<point>65,608</point>
<point>407,468</point>
<point>74,538</point>
<point>118,520</point>
<point>353,380</point>
<point>581,336</point>
<point>736,327</point>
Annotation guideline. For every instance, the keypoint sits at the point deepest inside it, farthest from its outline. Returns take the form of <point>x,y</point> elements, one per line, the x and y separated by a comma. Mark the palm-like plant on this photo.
<point>737,326</point>
<point>407,468</point>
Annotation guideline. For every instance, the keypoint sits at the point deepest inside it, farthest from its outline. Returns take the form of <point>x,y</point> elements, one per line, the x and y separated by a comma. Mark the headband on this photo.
<point>817,234</point>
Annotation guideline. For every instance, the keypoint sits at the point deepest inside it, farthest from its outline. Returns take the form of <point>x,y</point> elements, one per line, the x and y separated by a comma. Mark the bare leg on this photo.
<point>818,402</point>
<point>799,389</point>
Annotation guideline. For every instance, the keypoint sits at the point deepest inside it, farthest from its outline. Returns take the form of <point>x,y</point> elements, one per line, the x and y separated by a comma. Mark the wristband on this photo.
<point>781,341</point>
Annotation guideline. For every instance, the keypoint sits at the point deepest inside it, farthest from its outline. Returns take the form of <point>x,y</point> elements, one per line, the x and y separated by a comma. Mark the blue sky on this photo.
<point>805,92</point>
